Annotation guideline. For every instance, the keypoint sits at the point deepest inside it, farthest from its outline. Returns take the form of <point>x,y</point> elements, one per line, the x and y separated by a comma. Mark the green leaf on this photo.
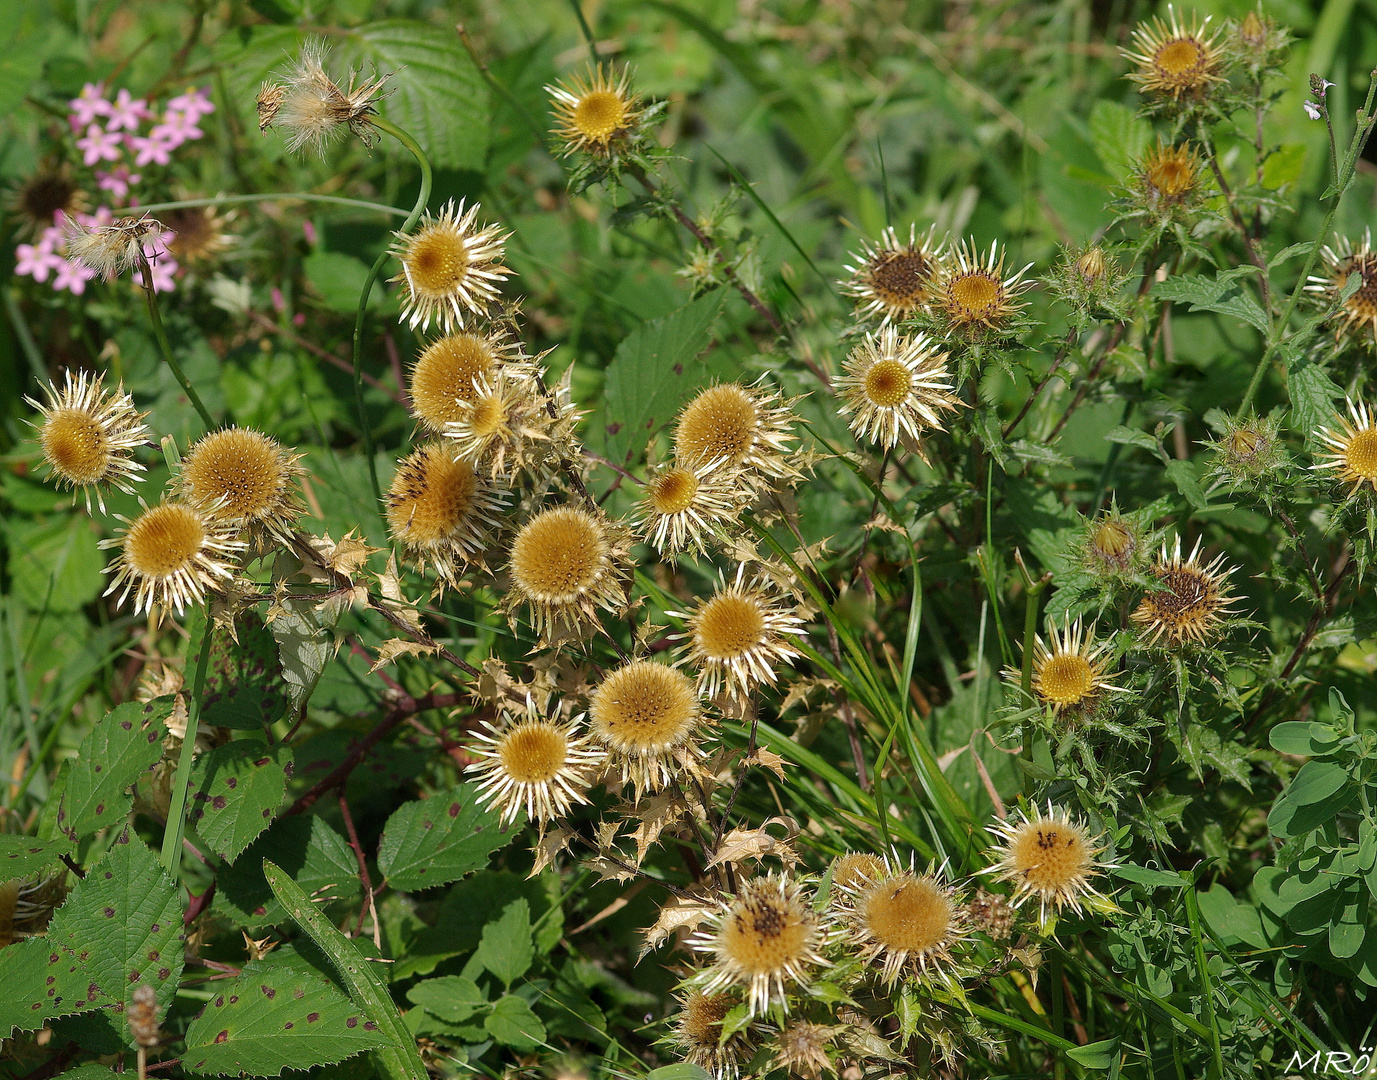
<point>54,565</point>
<point>1312,393</point>
<point>397,1059</point>
<point>1133,437</point>
<point>43,981</point>
<point>124,921</point>
<point>1346,938</point>
<point>1096,1055</point>
<point>654,371</point>
<point>1284,165</point>
<point>1144,875</point>
<point>323,864</point>
<point>1119,134</point>
<point>506,948</point>
<point>512,1023</point>
<point>1235,923</point>
<point>1226,296</point>
<point>304,648</point>
<point>1316,781</point>
<point>684,1070</point>
<point>90,1072</point>
<point>1291,818</point>
<point>124,744</point>
<point>233,792</point>
<point>1183,475</point>
<point>438,840</point>
<point>435,93</point>
<point>280,1013</point>
<point>1303,738</point>
<point>339,279</point>
<point>22,856</point>
<point>244,686</point>
<point>452,998</point>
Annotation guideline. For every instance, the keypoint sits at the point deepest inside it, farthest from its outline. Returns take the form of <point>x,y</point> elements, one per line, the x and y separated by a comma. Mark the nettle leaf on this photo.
<point>309,849</point>
<point>654,370</point>
<point>1312,394</point>
<point>234,791</point>
<point>1119,134</point>
<point>123,921</point>
<point>123,745</point>
<point>435,92</point>
<point>1221,294</point>
<point>452,998</point>
<point>42,982</point>
<point>244,684</point>
<point>280,1013</point>
<point>22,856</point>
<point>512,1023</point>
<point>438,840</point>
<point>506,949</point>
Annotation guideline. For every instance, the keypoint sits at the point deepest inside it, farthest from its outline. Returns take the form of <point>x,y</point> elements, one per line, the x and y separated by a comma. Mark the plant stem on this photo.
<point>160,334</point>
<point>271,196</point>
<point>176,813</point>
<point>422,197</point>
<point>586,30</point>
<point>1030,628</point>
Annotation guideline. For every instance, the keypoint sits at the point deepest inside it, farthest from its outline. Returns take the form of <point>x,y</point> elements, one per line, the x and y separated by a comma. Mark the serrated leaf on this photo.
<point>319,858</point>
<point>512,1023</point>
<point>21,856</point>
<point>1226,296</point>
<point>1119,134</point>
<point>234,790</point>
<point>654,370</point>
<point>452,998</point>
<point>397,1058</point>
<point>1312,393</point>
<point>123,921</point>
<point>435,92</point>
<point>1133,437</point>
<point>1182,474</point>
<point>506,949</point>
<point>244,685</point>
<point>124,744</point>
<point>438,840</point>
<point>89,1072</point>
<point>280,1013</point>
<point>30,999</point>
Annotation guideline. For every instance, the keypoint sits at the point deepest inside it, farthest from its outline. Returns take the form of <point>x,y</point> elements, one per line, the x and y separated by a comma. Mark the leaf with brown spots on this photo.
<point>235,791</point>
<point>124,744</point>
<point>438,840</point>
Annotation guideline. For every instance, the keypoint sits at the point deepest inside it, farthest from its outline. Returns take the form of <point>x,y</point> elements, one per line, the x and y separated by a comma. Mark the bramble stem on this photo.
<point>422,197</point>
<point>176,812</point>
<point>160,334</point>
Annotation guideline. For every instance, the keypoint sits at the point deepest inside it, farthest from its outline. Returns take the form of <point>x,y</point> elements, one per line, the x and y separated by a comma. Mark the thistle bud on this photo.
<point>1115,546</point>
<point>1090,266</point>
<point>1249,451</point>
<point>1252,31</point>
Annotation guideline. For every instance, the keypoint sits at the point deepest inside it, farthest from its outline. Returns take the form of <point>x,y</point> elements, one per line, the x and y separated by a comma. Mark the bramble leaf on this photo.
<point>123,745</point>
<point>317,855</point>
<point>438,840</point>
<point>234,791</point>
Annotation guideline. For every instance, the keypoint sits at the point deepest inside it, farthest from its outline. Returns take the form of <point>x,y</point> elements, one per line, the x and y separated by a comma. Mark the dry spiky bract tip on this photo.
<point>171,555</point>
<point>738,427</point>
<point>538,765</point>
<point>1048,856</point>
<point>451,269</point>
<point>685,508</point>
<point>442,510</point>
<point>595,114</point>
<point>896,385</point>
<point>243,478</point>
<point>449,370</point>
<point>646,715</point>
<point>762,941</point>
<point>894,280</point>
<point>110,250</point>
<point>974,297</point>
<point>906,922</point>
<point>1191,603</point>
<point>1168,178</point>
<point>566,564</point>
<point>1356,317</point>
<point>801,1048</point>
<point>86,436</point>
<point>1352,447</point>
<point>737,636</point>
<point>1176,61</point>
<point>1070,674</point>
<point>312,108</point>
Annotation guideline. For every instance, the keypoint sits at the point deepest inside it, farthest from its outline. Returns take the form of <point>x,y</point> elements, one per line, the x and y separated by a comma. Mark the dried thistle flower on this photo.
<point>894,280</point>
<point>509,418</point>
<point>697,1033</point>
<point>86,436</point>
<point>1352,448</point>
<point>1191,603</point>
<point>1168,179</point>
<point>39,199</point>
<point>974,298</point>
<point>684,508</point>
<point>737,636</point>
<point>1358,313</point>
<point>1071,674</point>
<point>1177,61</point>
<point>646,715</point>
<point>596,114</point>
<point>908,922</point>
<point>801,1048</point>
<point>110,250</point>
<point>171,555</point>
<point>442,510</point>
<point>242,478</point>
<point>566,564</point>
<point>199,234</point>
<point>448,372</point>
<point>761,941</point>
<point>896,385</point>
<point>535,764</point>
<point>855,867</point>
<point>739,427</point>
<point>991,913</point>
<point>1049,856</point>
<point>450,269</point>
<point>313,109</point>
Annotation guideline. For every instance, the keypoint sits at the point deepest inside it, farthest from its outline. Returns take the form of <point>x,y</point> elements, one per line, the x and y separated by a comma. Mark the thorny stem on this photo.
<point>165,347</point>
<point>176,811</point>
<point>1342,179</point>
<point>422,197</point>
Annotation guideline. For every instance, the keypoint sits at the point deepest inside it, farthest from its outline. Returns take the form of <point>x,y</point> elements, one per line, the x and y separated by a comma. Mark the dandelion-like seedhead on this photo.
<point>243,479</point>
<point>896,385</point>
<point>646,715</point>
<point>1049,856</point>
<point>975,299</point>
<point>442,510</point>
<point>686,508</point>
<point>533,764</point>
<point>1352,448</point>
<point>110,250</point>
<point>1190,603</point>
<point>313,109</point>
<point>738,427</point>
<point>596,114</point>
<point>172,555</point>
<point>1070,674</point>
<point>567,564</point>
<point>1355,320</point>
<point>763,941</point>
<point>738,636</point>
<point>894,280</point>
<point>1178,63</point>
<point>451,269</point>
<point>448,372</point>
<point>86,436</point>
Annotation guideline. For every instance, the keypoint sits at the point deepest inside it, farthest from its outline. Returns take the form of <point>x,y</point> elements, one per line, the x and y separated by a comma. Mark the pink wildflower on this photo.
<point>36,260</point>
<point>193,105</point>
<point>99,145</point>
<point>73,276</point>
<point>128,112</point>
<point>117,182</point>
<point>89,104</point>
<point>152,149</point>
